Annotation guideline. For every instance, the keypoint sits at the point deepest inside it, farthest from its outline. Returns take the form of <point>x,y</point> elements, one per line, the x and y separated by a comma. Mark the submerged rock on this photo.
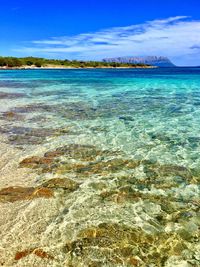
<point>160,230</point>
<point>35,162</point>
<point>12,194</point>
<point>63,183</point>
<point>89,160</point>
<point>4,95</point>
<point>30,136</point>
<point>46,190</point>
<point>11,116</point>
<point>35,251</point>
<point>117,243</point>
<point>77,151</point>
<point>50,162</point>
<point>158,170</point>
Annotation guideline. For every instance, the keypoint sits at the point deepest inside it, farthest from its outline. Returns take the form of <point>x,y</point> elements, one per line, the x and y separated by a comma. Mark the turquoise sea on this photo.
<point>100,167</point>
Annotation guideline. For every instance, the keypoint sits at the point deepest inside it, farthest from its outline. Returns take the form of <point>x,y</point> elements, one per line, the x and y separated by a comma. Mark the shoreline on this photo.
<point>72,68</point>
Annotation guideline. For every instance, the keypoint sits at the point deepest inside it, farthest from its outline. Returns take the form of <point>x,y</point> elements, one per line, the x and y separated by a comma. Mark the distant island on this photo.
<point>149,60</point>
<point>35,62</point>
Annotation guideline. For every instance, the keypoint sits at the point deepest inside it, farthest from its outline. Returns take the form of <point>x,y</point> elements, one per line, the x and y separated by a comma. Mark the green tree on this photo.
<point>38,64</point>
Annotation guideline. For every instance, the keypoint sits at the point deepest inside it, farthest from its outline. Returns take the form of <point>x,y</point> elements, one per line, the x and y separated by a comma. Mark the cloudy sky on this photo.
<point>177,36</point>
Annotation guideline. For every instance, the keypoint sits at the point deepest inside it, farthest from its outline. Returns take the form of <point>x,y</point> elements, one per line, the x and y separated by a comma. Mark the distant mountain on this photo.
<point>150,60</point>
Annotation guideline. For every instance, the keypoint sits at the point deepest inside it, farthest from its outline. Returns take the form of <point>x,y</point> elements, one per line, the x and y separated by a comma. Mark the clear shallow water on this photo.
<point>114,155</point>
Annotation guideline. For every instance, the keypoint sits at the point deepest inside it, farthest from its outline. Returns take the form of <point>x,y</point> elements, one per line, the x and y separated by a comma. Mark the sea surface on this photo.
<point>100,167</point>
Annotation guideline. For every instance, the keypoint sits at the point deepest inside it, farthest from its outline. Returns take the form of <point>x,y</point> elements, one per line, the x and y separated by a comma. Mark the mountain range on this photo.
<point>158,61</point>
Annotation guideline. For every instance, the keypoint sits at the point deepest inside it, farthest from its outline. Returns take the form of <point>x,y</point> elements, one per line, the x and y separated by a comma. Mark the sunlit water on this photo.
<point>100,167</point>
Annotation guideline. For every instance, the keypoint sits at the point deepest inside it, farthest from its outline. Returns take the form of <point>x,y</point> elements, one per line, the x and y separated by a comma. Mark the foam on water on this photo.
<point>100,167</point>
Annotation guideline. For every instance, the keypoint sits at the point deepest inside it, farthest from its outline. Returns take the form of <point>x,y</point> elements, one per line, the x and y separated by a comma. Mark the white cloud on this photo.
<point>174,37</point>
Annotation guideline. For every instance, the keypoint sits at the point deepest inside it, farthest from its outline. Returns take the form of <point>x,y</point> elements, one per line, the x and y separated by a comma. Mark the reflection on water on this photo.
<point>112,167</point>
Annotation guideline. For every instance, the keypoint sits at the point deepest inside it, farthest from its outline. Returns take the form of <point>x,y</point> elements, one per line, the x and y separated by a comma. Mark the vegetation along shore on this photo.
<point>34,63</point>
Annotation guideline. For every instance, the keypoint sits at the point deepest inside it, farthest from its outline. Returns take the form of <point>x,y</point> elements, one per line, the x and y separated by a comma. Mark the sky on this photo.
<point>97,29</point>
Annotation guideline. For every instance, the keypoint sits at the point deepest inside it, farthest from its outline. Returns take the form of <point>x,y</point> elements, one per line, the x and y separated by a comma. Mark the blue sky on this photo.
<point>94,29</point>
